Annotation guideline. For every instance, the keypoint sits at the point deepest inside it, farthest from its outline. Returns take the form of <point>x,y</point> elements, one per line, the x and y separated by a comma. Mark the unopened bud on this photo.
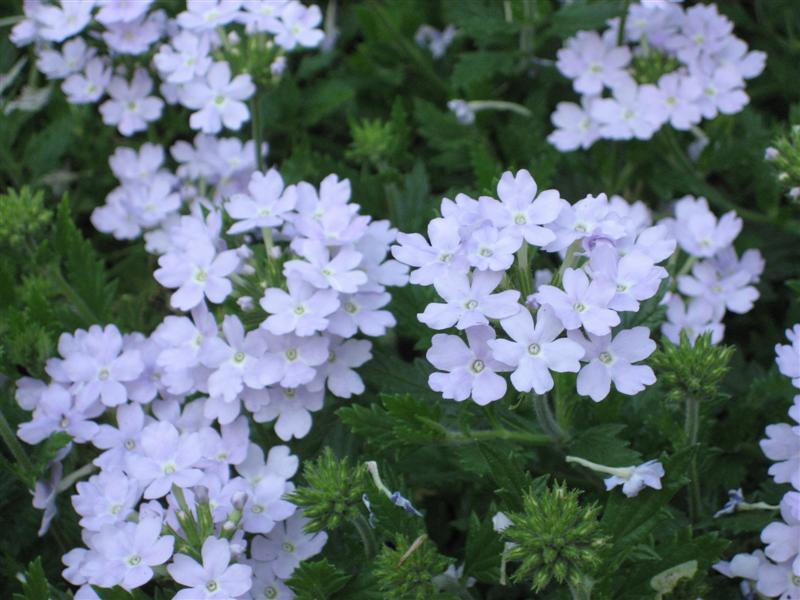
<point>201,494</point>
<point>246,303</point>
<point>771,153</point>
<point>238,500</point>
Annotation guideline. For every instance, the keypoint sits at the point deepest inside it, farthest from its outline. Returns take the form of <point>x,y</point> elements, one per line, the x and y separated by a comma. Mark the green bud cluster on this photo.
<point>408,571</point>
<point>649,66</point>
<point>687,370</point>
<point>374,141</point>
<point>22,216</point>
<point>332,494</point>
<point>555,538</point>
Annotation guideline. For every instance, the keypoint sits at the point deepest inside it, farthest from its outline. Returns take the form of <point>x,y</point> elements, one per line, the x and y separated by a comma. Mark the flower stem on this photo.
<point>544,415</point>
<point>501,434</point>
<point>13,444</point>
<point>621,32</point>
<point>692,430</point>
<point>570,260</point>
<point>524,271</point>
<point>366,535</point>
<point>258,137</point>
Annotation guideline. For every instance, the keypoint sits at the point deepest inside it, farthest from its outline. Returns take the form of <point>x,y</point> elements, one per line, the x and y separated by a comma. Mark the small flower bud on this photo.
<point>238,500</point>
<point>201,494</point>
<point>771,153</point>
<point>246,303</point>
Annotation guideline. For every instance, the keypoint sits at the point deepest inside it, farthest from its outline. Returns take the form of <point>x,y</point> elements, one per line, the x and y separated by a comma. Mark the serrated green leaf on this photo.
<point>602,444</point>
<point>317,580</point>
<point>402,421</point>
<point>483,550</point>
<point>34,585</point>
<point>475,67</point>
<point>584,15</point>
<point>82,279</point>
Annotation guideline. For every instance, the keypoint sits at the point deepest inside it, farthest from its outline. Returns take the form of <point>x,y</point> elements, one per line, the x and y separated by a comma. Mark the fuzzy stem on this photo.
<point>258,137</point>
<point>692,430</point>
<point>13,444</point>
<point>544,415</point>
<point>581,590</point>
<point>570,260</point>
<point>621,32</point>
<point>524,271</point>
<point>500,434</point>
<point>366,535</point>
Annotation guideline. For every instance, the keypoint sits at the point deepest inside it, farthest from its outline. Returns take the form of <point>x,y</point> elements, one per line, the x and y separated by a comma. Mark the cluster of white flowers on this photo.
<point>88,44</point>
<point>673,65</point>
<point>719,280</point>
<point>610,255</point>
<point>775,571</point>
<point>170,480</point>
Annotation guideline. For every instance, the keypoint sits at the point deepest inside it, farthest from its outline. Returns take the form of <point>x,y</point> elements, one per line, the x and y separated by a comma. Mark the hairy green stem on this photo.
<point>258,133</point>
<point>524,271</point>
<point>621,32</point>
<point>500,434</point>
<point>13,444</point>
<point>581,590</point>
<point>692,430</point>
<point>570,260</point>
<point>365,533</point>
<point>544,415</point>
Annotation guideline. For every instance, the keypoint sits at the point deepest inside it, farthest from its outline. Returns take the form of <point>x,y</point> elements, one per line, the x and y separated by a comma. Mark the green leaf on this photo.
<point>35,585</point>
<point>317,580</point>
<point>483,550</point>
<point>402,421</point>
<point>389,375</point>
<point>83,278</point>
<point>584,15</point>
<point>474,67</point>
<point>118,593</point>
<point>651,314</point>
<point>509,473</point>
<point>326,99</point>
<point>601,444</point>
<point>412,206</point>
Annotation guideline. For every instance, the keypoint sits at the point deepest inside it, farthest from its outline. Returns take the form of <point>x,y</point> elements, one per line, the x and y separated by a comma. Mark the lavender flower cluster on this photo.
<point>714,279</point>
<point>611,254</point>
<point>610,264</point>
<point>191,54</point>
<point>775,571</point>
<point>670,66</point>
<point>177,469</point>
<point>171,482</point>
